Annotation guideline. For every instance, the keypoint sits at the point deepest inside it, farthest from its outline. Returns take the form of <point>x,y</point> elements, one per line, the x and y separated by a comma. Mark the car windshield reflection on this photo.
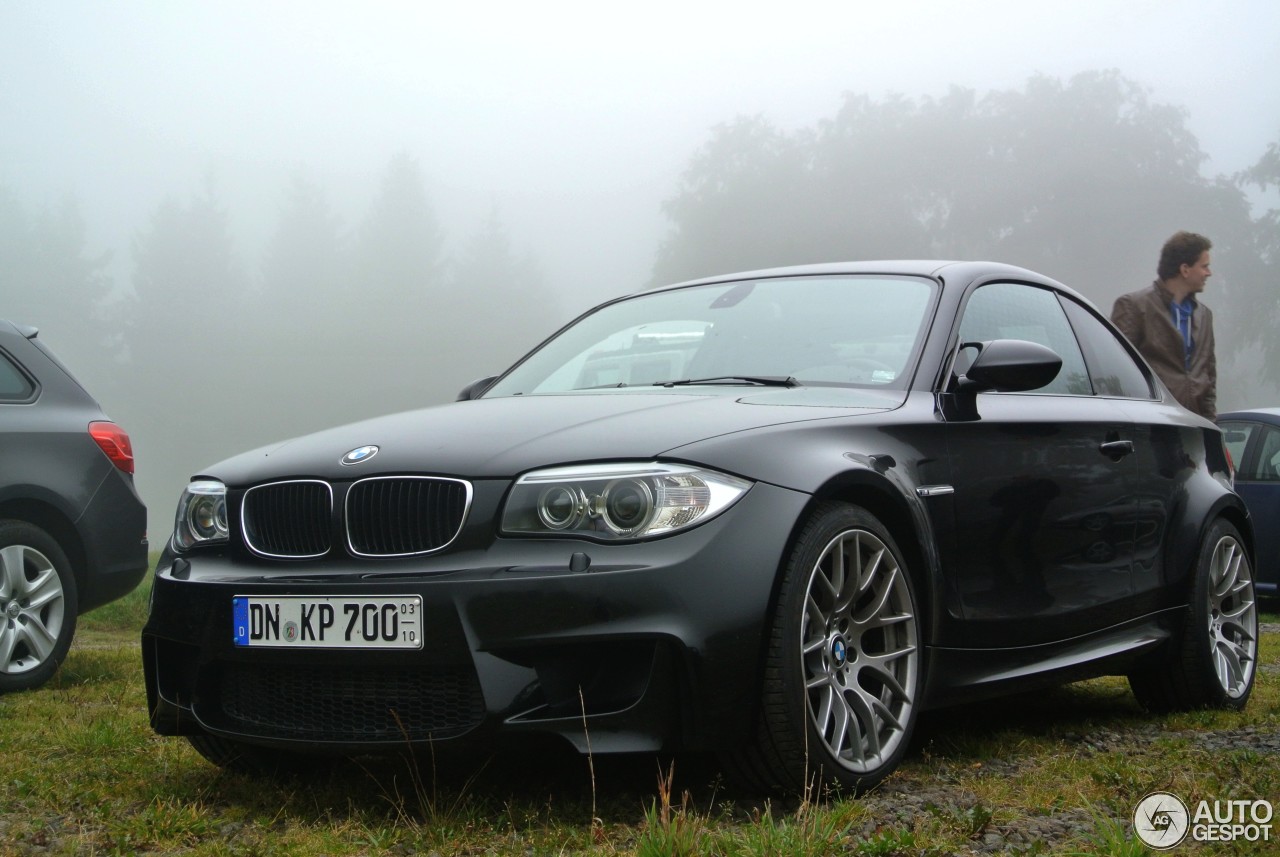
<point>786,332</point>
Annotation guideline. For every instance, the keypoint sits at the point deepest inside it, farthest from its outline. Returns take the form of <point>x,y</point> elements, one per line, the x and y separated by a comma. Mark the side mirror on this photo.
<point>476,389</point>
<point>1001,366</point>
<point>1009,366</point>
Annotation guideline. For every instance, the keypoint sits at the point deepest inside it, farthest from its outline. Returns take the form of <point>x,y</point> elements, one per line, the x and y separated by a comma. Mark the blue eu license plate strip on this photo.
<point>327,622</point>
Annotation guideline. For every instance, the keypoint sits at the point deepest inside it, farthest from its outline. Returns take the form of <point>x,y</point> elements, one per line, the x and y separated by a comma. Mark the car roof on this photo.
<point>949,273</point>
<point>940,269</point>
<point>903,266</point>
<point>1266,415</point>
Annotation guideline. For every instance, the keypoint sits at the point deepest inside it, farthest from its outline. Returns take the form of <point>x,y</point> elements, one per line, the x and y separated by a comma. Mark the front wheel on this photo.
<point>1210,662</point>
<point>844,664</point>
<point>37,606</point>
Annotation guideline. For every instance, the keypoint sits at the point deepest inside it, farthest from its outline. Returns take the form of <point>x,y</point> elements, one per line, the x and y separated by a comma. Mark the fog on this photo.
<point>238,222</point>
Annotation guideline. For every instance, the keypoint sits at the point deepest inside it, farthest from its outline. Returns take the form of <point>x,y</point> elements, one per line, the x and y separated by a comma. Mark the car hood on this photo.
<point>501,438</point>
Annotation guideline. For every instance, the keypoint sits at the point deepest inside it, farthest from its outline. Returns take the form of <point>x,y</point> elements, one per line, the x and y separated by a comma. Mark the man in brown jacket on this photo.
<point>1172,329</point>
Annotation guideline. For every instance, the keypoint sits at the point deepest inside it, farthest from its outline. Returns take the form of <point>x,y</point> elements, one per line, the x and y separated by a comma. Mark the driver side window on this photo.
<point>1015,311</point>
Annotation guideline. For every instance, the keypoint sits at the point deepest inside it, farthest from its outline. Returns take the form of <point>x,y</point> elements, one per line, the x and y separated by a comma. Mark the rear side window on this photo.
<point>15,386</point>
<point>1111,367</point>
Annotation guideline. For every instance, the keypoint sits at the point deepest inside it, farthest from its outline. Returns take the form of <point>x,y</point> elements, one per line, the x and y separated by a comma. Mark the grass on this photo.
<point>83,774</point>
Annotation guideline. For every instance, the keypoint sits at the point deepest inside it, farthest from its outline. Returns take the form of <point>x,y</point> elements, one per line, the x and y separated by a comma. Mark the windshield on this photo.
<point>817,330</point>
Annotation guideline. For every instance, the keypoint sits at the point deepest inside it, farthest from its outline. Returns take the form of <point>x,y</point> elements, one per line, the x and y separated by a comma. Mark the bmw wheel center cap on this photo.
<point>363,453</point>
<point>839,652</point>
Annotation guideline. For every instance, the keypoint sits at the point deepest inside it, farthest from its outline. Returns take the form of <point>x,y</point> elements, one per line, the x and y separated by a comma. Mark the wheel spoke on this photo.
<point>878,667</point>
<point>1241,586</point>
<point>38,638</point>
<point>889,621</point>
<point>45,589</point>
<point>882,711</point>
<point>815,616</point>
<point>866,731</point>
<point>826,585</point>
<point>828,694</point>
<point>842,718</point>
<point>876,611</point>
<point>12,577</point>
<point>838,575</point>
<point>1231,663</point>
<point>1226,569</point>
<point>1237,653</point>
<point>8,643</point>
<point>868,573</point>
<point>813,644</point>
<point>1240,625</point>
<point>818,680</point>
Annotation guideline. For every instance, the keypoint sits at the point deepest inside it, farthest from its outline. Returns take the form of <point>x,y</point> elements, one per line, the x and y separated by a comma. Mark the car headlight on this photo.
<point>618,501</point>
<point>202,515</point>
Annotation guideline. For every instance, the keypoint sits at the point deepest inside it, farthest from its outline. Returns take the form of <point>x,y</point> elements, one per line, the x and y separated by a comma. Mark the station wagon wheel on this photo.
<point>845,660</point>
<point>1212,659</point>
<point>37,606</point>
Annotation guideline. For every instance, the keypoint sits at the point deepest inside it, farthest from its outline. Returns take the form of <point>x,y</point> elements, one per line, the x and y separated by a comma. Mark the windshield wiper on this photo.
<point>760,380</point>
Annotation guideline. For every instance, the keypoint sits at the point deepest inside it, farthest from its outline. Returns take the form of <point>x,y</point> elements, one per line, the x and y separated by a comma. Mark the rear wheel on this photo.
<point>37,606</point>
<point>1211,661</point>
<point>844,664</point>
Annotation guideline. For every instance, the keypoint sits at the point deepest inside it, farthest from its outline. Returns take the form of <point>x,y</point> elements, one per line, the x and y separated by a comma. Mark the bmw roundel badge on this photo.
<point>363,453</point>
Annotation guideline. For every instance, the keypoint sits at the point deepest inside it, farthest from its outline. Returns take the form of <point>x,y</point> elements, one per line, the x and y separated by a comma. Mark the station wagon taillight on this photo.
<point>114,441</point>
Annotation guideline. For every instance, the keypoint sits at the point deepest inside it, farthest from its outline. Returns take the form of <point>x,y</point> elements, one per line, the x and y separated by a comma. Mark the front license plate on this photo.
<point>328,622</point>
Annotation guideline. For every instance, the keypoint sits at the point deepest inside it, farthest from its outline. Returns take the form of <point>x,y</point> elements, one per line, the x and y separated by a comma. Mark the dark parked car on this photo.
<point>1253,439</point>
<point>774,515</point>
<point>73,533</point>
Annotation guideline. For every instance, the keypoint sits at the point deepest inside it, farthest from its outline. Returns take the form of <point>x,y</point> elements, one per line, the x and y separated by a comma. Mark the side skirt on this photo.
<point>962,675</point>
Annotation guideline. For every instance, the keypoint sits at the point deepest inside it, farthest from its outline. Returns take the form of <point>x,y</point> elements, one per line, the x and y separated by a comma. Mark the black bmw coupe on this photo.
<point>774,515</point>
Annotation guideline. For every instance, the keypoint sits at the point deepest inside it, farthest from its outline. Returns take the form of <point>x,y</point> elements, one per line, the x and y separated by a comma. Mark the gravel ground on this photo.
<point>901,804</point>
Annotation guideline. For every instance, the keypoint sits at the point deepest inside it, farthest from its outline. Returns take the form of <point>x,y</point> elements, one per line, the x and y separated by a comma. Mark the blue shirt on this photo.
<point>1181,314</point>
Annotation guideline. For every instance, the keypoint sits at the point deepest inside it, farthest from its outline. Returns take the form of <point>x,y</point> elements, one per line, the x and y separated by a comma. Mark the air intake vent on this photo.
<point>292,520</point>
<point>324,703</point>
<point>405,515</point>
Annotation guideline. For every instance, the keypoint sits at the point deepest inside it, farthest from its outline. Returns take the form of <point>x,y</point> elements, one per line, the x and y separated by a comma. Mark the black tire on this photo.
<point>1210,661</point>
<point>244,758</point>
<point>38,606</point>
<point>844,662</point>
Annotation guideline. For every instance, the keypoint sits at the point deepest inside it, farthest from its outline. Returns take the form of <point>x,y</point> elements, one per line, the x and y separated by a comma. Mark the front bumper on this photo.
<point>654,645</point>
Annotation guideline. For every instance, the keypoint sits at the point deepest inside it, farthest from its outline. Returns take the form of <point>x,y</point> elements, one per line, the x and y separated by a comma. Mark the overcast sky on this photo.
<point>575,118</point>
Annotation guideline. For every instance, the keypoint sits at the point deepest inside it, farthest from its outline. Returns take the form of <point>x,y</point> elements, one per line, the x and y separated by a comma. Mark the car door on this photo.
<point>1168,449</point>
<point>1042,480</point>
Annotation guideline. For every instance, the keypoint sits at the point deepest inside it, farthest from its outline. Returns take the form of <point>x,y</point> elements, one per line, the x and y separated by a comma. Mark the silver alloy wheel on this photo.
<point>860,653</point>
<point>32,608</point>
<point>1233,619</point>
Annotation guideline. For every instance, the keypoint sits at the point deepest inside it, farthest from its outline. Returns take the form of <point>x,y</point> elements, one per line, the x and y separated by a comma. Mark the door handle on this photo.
<point>1116,449</point>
